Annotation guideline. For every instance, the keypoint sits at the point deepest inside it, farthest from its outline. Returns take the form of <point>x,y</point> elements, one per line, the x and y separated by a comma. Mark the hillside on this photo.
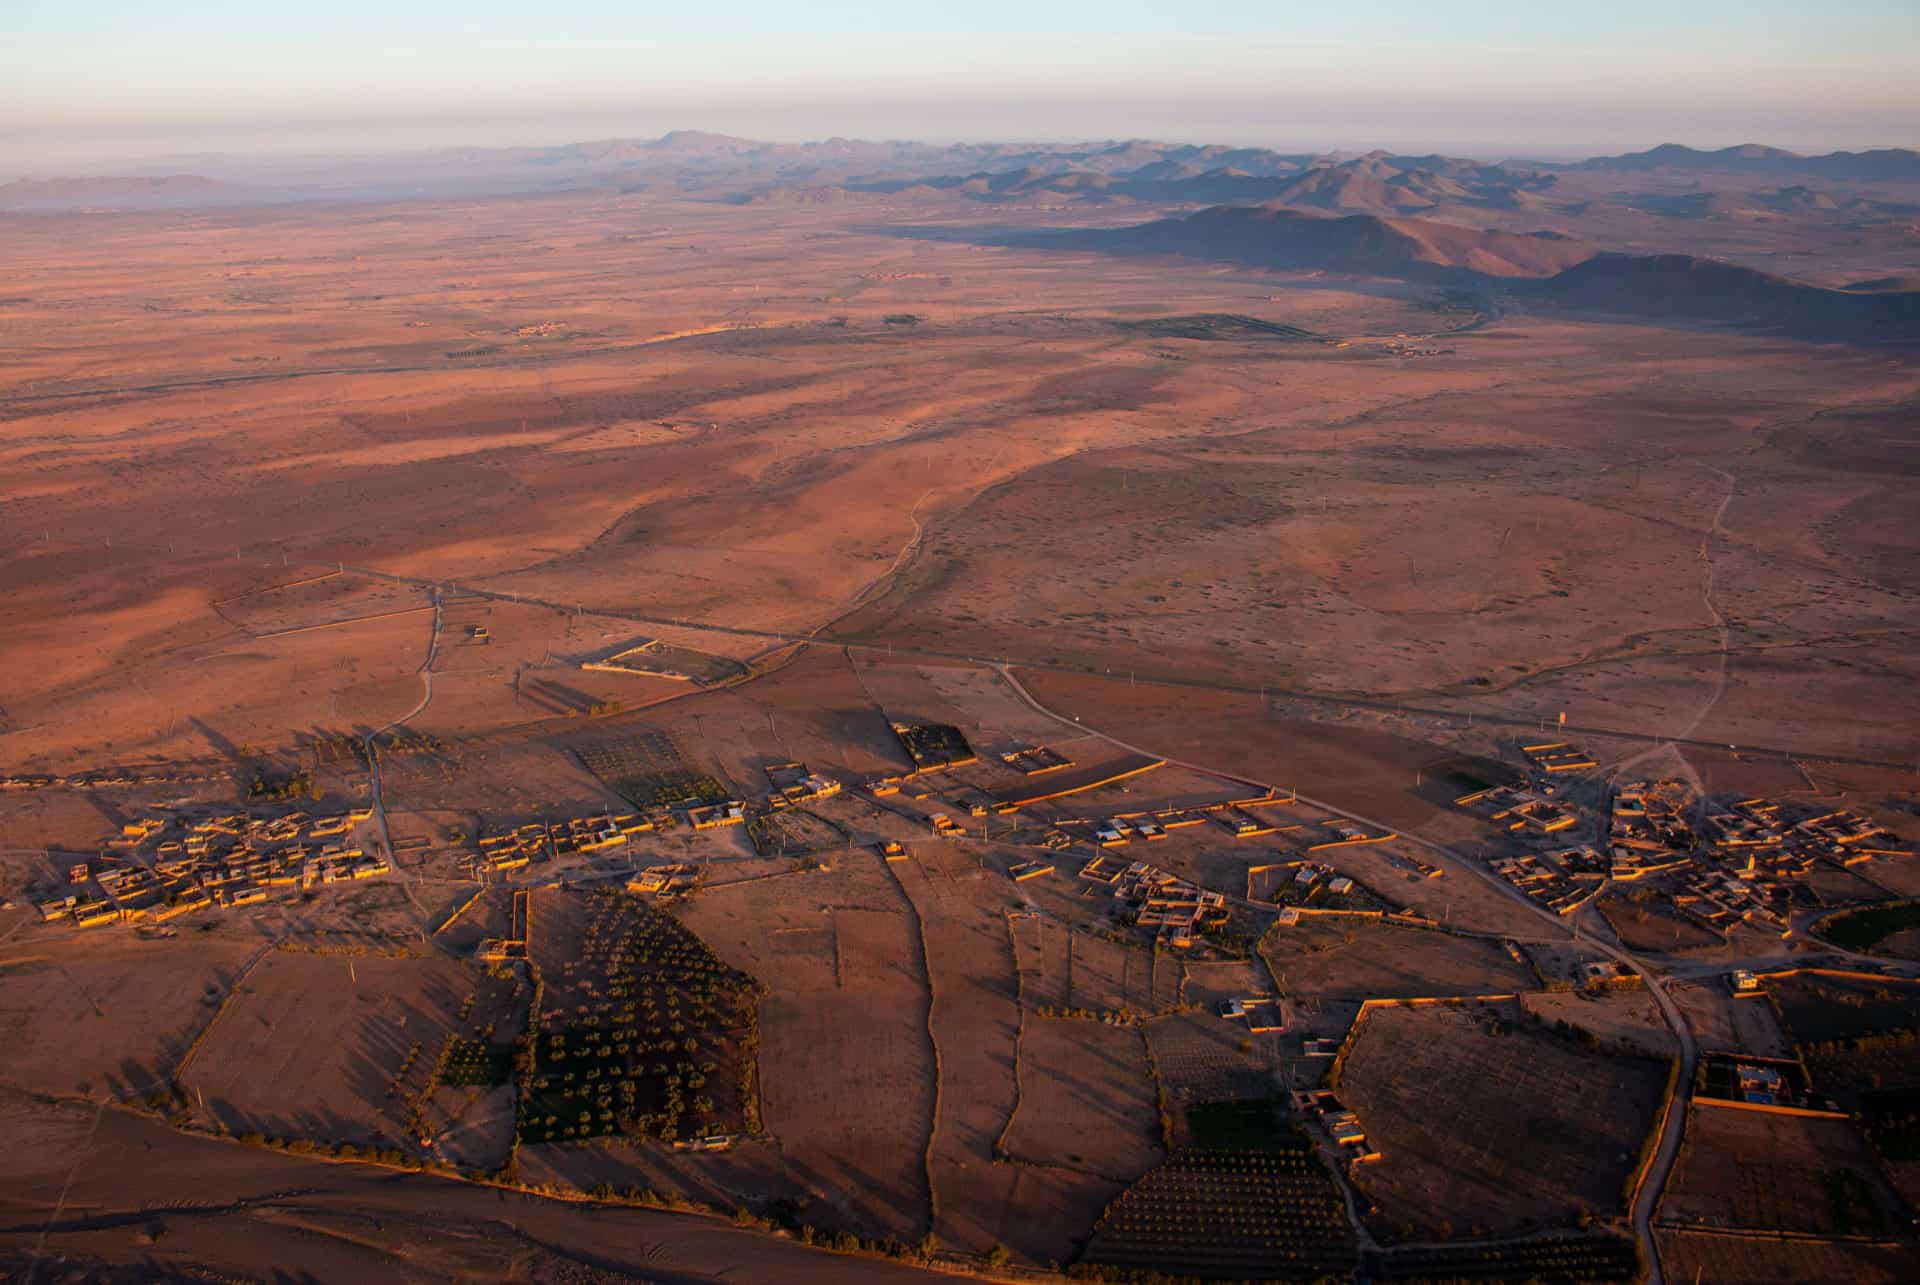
<point>1276,236</point>
<point>1686,288</point>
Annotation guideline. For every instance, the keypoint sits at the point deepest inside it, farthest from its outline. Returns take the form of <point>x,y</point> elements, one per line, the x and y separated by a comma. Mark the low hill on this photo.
<point>1542,269</point>
<point>1688,288</point>
<point>1276,236</point>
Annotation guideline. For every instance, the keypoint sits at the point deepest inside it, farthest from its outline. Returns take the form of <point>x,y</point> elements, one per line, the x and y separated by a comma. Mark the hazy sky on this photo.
<point>88,79</point>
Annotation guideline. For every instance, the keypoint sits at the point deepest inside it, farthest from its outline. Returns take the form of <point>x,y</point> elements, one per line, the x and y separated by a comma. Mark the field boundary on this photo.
<point>1769,1108</point>
<point>233,991</point>
<point>933,1043</point>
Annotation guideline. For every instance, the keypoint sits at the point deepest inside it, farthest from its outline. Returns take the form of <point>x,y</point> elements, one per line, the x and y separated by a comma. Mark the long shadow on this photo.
<point>220,743</point>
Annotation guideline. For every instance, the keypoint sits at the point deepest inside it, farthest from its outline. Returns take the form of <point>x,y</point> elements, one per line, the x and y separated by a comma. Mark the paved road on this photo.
<point>1647,1195</point>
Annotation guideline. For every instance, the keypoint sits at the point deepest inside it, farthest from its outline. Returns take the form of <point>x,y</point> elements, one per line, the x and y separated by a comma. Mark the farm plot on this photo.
<point>1271,1213</point>
<point>1763,1171</point>
<point>1064,969</point>
<point>1087,1099</point>
<point>648,769</point>
<point>1818,1008</point>
<point>1850,1069</point>
<point>1491,1133</point>
<point>109,1018</point>
<point>1649,925</point>
<point>1891,1118</point>
<point>342,1049</point>
<point>1625,1021</point>
<point>1202,1058</point>
<point>846,1066</point>
<point>850,1074</point>
<point>1341,957</point>
<point>1039,1213</point>
<point>1716,1258</point>
<point>1557,1259</point>
<point>644,1032</point>
<point>1210,983</point>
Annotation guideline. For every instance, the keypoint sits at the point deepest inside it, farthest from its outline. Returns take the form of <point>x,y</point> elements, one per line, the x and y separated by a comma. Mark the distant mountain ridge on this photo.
<point>709,165</point>
<point>1877,165</point>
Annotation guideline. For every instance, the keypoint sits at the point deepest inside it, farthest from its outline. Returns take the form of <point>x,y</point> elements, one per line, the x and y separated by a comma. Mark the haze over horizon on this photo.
<point>119,81</point>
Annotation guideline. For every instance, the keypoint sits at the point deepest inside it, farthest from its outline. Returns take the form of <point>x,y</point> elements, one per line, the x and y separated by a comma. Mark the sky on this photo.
<point>86,81</point>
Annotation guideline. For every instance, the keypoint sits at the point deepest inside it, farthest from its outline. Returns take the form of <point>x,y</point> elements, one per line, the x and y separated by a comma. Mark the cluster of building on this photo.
<point>167,865</point>
<point>1035,760</point>
<point>1648,830</point>
<point>792,784</point>
<point>1299,883</point>
<point>542,841</point>
<point>1521,811</point>
<point>1757,1082</point>
<point>664,880</point>
<point>1745,861</point>
<point>1751,862</point>
<point>1562,880</point>
<point>1174,909</point>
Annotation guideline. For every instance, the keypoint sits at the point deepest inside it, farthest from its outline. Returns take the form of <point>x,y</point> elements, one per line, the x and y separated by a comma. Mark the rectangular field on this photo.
<point>335,1048</point>
<point>1342,957</point>
<point>1485,1126</point>
<point>1087,1099</point>
<point>1760,1171</point>
<point>109,1018</point>
<point>1717,1258</point>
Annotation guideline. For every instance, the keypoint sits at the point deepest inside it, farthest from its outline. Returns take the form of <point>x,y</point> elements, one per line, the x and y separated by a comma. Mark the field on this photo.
<point>163,1204</point>
<point>1758,1171</point>
<point>1719,1259</point>
<point>1267,1210</point>
<point>1615,1020</point>
<point>1197,1057</point>
<point>1649,925</point>
<point>642,1032</point>
<point>1341,957</point>
<point>847,1070</point>
<point>1887,928</point>
<point>110,1020</point>
<point>1063,968</point>
<point>1819,1008</point>
<point>1483,1132</point>
<point>341,1048</point>
<point>1086,1099</point>
<point>1571,1259</point>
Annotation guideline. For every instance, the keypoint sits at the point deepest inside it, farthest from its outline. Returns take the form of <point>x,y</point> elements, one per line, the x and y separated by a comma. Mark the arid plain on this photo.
<point>363,498</point>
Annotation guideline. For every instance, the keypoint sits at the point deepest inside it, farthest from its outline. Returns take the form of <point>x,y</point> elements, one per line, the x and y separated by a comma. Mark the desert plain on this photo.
<point>366,508</point>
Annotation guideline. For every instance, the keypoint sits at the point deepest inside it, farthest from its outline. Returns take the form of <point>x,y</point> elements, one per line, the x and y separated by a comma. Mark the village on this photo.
<point>1719,861</point>
<point>1257,951</point>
